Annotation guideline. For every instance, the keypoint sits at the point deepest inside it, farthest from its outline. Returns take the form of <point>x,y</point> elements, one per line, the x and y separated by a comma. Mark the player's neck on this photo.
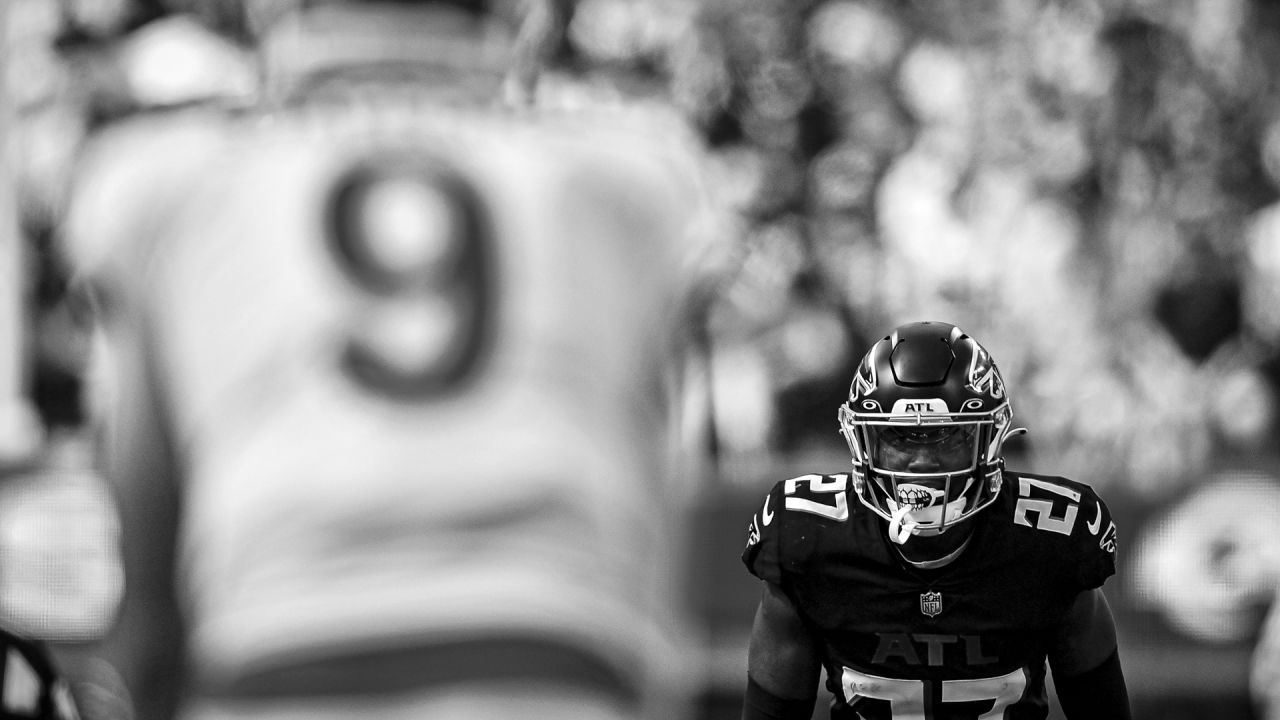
<point>930,553</point>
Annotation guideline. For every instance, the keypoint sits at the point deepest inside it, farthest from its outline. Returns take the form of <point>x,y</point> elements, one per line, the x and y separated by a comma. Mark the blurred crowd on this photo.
<point>1089,186</point>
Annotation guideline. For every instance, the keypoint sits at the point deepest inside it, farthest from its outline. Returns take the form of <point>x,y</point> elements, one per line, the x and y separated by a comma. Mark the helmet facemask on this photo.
<point>959,475</point>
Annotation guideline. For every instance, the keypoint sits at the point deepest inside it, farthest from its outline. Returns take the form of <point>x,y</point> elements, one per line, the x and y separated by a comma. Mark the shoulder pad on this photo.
<point>1074,511</point>
<point>822,499</point>
<point>127,178</point>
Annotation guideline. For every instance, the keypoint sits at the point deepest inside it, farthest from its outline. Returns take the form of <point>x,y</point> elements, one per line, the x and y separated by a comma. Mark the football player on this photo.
<point>33,684</point>
<point>386,385</point>
<point>930,582</point>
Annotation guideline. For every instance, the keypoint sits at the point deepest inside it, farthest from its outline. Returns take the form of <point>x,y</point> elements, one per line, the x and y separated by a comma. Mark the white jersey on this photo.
<point>526,495</point>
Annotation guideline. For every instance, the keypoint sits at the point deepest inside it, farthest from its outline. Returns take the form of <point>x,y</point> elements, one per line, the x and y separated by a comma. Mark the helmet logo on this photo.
<point>983,376</point>
<point>925,406</point>
<point>865,381</point>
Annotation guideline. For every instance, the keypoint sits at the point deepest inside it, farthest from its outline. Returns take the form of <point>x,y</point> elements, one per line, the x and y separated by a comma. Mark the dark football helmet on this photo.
<point>926,419</point>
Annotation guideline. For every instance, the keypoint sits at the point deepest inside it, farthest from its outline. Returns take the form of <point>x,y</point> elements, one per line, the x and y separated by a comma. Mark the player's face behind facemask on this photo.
<point>926,473</point>
<point>922,448</point>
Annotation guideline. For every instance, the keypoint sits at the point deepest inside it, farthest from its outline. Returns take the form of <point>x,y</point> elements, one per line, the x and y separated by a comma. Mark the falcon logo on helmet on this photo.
<point>983,376</point>
<point>864,380</point>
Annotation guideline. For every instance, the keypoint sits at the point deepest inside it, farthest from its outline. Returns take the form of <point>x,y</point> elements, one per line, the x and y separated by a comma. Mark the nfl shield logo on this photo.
<point>931,603</point>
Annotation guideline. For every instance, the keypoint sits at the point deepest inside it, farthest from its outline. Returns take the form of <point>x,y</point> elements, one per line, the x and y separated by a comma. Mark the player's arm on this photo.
<point>1086,661</point>
<point>783,664</point>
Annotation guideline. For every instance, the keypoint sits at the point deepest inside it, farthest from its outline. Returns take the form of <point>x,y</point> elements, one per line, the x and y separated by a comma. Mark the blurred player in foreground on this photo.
<point>387,387</point>
<point>1211,566</point>
<point>941,586</point>
<point>33,686</point>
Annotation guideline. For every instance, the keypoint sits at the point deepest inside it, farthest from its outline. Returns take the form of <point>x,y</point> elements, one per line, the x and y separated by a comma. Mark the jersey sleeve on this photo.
<point>762,554</point>
<point>787,534</point>
<point>1068,529</point>
<point>1097,540</point>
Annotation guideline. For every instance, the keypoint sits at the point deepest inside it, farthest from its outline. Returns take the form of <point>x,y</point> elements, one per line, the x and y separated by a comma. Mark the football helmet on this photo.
<point>926,419</point>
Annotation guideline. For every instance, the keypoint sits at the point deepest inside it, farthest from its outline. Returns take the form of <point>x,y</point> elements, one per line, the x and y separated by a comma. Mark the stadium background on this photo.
<point>1089,187</point>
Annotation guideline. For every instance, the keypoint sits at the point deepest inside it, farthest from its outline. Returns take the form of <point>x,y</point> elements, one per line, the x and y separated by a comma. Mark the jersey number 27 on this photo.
<point>906,698</point>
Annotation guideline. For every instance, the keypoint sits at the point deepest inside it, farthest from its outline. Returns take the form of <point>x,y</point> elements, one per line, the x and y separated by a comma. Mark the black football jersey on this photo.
<point>962,642</point>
